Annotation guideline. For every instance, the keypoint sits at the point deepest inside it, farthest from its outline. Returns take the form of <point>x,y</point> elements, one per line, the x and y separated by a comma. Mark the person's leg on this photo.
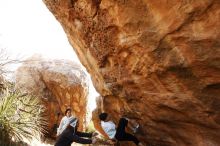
<point>121,125</point>
<point>81,140</point>
<point>83,134</point>
<point>128,137</point>
<point>121,135</point>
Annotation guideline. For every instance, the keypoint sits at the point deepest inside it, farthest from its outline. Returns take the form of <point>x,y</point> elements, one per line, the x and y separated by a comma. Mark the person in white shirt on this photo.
<point>119,134</point>
<point>109,128</point>
<point>64,121</point>
<point>71,134</point>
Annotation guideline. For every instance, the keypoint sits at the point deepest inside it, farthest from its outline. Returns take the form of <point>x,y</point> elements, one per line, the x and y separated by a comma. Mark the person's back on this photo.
<point>109,128</point>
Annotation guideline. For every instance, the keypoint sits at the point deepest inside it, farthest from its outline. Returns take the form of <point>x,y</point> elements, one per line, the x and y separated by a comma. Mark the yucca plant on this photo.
<point>21,117</point>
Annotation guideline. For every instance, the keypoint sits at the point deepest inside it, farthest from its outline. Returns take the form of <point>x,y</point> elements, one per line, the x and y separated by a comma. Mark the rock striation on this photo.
<point>61,84</point>
<point>156,61</point>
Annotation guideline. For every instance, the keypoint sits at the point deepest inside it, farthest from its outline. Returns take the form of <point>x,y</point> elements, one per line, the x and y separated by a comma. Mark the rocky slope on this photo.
<point>156,61</point>
<point>59,83</point>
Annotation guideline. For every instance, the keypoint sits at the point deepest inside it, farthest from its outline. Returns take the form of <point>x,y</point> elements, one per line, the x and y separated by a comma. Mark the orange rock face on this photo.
<point>60,84</point>
<point>156,61</point>
<point>95,117</point>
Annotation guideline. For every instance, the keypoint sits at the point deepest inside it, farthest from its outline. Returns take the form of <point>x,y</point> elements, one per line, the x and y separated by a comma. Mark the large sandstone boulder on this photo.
<point>157,61</point>
<point>59,83</point>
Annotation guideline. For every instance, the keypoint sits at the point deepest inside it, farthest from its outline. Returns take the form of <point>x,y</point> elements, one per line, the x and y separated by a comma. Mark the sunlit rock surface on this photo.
<point>156,61</point>
<point>59,83</point>
<point>95,117</point>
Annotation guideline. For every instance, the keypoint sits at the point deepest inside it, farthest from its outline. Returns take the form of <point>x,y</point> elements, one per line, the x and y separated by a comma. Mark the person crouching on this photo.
<point>71,134</point>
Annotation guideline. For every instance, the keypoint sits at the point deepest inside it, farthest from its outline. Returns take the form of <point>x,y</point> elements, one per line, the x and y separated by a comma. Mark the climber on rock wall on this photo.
<point>118,134</point>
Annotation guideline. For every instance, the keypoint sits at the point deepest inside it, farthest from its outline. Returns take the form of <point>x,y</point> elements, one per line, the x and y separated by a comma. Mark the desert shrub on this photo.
<point>21,117</point>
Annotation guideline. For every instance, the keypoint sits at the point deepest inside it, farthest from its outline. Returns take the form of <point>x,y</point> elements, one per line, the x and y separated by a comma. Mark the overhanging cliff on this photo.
<point>156,61</point>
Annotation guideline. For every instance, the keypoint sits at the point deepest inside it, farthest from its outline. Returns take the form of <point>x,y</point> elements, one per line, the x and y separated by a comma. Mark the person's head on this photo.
<point>103,116</point>
<point>68,112</point>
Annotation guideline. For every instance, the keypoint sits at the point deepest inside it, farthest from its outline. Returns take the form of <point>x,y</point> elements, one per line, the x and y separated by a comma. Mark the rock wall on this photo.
<point>156,61</point>
<point>95,117</point>
<point>61,84</point>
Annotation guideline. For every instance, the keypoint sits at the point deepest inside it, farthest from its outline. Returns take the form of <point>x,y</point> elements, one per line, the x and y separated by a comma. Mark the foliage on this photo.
<point>21,116</point>
<point>90,127</point>
<point>8,64</point>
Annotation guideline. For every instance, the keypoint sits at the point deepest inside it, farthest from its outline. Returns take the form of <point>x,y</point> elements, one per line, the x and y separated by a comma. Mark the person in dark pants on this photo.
<point>119,134</point>
<point>71,134</point>
<point>64,121</point>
